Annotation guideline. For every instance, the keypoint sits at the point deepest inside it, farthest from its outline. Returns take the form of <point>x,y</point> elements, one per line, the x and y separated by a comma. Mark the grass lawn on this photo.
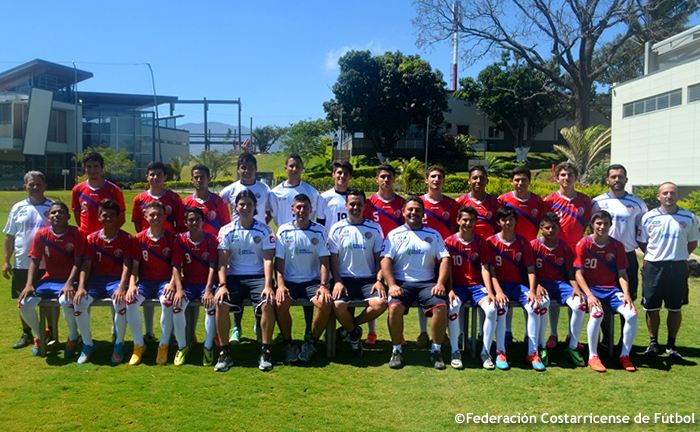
<point>347,393</point>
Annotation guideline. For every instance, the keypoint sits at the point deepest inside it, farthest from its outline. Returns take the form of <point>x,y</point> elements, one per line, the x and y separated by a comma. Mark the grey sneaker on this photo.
<point>436,360</point>
<point>291,353</point>
<point>673,353</point>
<point>265,361</point>
<point>356,344</point>
<point>652,350</point>
<point>457,360</point>
<point>487,362</point>
<point>396,361</point>
<point>307,351</point>
<point>224,363</point>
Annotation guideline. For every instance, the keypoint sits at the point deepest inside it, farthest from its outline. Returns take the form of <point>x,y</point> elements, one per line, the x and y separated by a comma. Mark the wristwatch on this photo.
<point>325,284</point>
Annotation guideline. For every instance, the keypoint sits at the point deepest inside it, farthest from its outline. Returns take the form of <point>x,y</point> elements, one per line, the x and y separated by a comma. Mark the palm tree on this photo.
<point>585,149</point>
<point>410,175</point>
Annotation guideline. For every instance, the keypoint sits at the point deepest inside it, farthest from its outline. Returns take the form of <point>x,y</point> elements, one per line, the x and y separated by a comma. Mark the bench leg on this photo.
<point>330,337</point>
<point>612,339</point>
<point>190,324</point>
<point>464,311</point>
<point>42,333</point>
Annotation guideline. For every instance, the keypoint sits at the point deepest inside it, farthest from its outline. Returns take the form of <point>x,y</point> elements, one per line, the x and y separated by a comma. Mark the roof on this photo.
<point>134,101</point>
<point>17,75</point>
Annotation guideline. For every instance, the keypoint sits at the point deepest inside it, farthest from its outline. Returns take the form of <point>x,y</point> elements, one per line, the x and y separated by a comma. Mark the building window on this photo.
<point>694,93</point>
<point>462,129</point>
<point>6,120</point>
<point>654,103</point>
<point>57,127</point>
<point>493,132</point>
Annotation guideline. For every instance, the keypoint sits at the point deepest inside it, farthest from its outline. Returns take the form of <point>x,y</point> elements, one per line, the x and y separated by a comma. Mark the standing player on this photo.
<point>600,272</point>
<point>485,204</point>
<point>105,273</point>
<point>26,218</point>
<point>667,237</point>
<point>60,246</point>
<point>355,244</point>
<point>554,270</point>
<point>331,205</point>
<point>199,263</point>
<point>408,261</point>
<point>246,248</point>
<point>215,210</point>
<point>513,256</point>
<point>283,194</point>
<point>573,208</point>
<point>471,284</point>
<point>302,264</point>
<point>156,274</point>
<point>87,196</point>
<point>527,205</point>
<point>385,208</point>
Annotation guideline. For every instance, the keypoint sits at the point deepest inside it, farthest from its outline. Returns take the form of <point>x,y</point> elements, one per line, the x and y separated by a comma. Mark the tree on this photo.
<point>266,136</point>
<point>410,175</point>
<point>177,164</point>
<point>558,38</point>
<point>119,166</point>
<point>585,149</point>
<point>515,98</point>
<point>217,162</point>
<point>304,137</point>
<point>383,96</point>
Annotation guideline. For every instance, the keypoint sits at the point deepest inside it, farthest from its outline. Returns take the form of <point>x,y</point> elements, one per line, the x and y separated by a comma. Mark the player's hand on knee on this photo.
<point>452,298</point>
<point>281,294</point>
<point>395,291</point>
<point>593,302</point>
<point>221,295</point>
<point>338,290</point>
<point>378,287</point>
<point>268,295</point>
<point>323,295</point>
<point>79,295</point>
<point>438,290</point>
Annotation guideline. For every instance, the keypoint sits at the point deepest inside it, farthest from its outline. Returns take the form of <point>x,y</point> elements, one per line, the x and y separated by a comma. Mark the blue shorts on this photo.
<point>612,296</point>
<point>558,291</point>
<point>516,292</point>
<point>151,289</point>
<point>102,286</point>
<point>358,289</point>
<point>50,288</point>
<point>194,290</point>
<point>421,292</point>
<point>471,295</point>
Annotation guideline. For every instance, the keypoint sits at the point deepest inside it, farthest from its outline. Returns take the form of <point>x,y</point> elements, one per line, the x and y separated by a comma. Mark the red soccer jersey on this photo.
<point>440,216</point>
<point>197,258</point>
<point>158,257</point>
<point>600,264</point>
<point>108,256</point>
<point>58,251</point>
<point>529,213</point>
<point>86,200</point>
<point>467,259</point>
<point>511,259</point>
<point>388,214</point>
<point>552,265</point>
<point>486,212</point>
<point>174,210</point>
<point>574,214</point>
<point>216,212</point>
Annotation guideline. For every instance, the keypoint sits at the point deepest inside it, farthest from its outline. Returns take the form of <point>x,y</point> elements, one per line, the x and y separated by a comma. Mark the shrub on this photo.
<point>456,184</point>
<point>648,195</point>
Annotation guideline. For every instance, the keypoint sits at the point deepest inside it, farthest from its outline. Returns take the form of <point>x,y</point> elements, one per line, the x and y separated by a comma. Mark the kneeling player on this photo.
<point>601,264</point>
<point>60,246</point>
<point>108,257</point>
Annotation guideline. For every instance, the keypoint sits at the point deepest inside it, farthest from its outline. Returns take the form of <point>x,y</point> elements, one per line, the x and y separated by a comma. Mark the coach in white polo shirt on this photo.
<point>667,237</point>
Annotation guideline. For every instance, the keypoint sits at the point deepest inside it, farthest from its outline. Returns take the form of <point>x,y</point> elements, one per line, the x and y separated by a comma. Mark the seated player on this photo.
<point>302,261</point>
<point>355,244</point>
<point>105,273</point>
<point>513,256</point>
<point>408,261</point>
<point>471,284</point>
<point>60,246</point>
<point>601,273</point>
<point>199,263</point>
<point>246,248</point>
<point>156,275</point>
<point>554,269</point>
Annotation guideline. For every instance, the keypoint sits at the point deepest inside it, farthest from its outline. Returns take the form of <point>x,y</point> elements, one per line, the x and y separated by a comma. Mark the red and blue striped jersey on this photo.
<point>529,213</point>
<point>198,257</point>
<point>467,259</point>
<point>216,212</point>
<point>108,255</point>
<point>486,213</point>
<point>600,264</point>
<point>510,260</point>
<point>552,265</point>
<point>574,214</point>
<point>58,251</point>
<point>158,257</point>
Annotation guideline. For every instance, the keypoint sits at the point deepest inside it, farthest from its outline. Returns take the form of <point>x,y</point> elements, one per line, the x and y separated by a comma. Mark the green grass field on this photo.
<point>347,393</point>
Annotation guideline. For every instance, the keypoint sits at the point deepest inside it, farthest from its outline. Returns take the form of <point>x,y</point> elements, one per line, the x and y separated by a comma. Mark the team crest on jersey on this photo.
<point>560,261</point>
<point>168,209</point>
<point>205,256</point>
<point>475,256</point>
<point>488,215</point>
<point>70,247</point>
<point>397,213</point>
<point>257,239</point>
<point>429,239</point>
<point>118,253</point>
<point>630,208</point>
<point>445,215</point>
<point>211,215</point>
<point>368,235</point>
<point>580,211</point>
<point>610,257</point>
<point>314,241</point>
<point>518,256</point>
<point>534,212</point>
<point>257,195</point>
<point>166,251</point>
<point>682,224</point>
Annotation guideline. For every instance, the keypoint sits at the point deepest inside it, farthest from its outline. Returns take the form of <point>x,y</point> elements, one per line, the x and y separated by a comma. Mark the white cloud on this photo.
<point>332,56</point>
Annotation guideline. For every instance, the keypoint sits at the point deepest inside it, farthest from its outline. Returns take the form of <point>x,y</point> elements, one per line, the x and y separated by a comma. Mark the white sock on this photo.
<point>593,330</point>
<point>423,321</point>
<point>489,325</point>
<point>27,309</point>
<point>398,348</point>
<point>436,347</point>
<point>533,321</point>
<point>69,316</point>
<point>453,319</point>
<point>166,320</point>
<point>210,327</point>
<point>542,325</point>
<point>554,310</point>
<point>149,313</point>
<point>578,317</point>
<point>119,321</point>
<point>629,331</point>
<point>82,318</point>
<point>372,326</point>
<point>501,318</point>
<point>133,318</point>
<point>180,324</point>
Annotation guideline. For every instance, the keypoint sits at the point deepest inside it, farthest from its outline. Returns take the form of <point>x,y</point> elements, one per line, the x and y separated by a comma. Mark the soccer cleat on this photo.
<point>118,353</point>
<point>137,355</point>
<point>486,361</point>
<point>673,353</point>
<point>626,364</point>
<point>456,361</point>
<point>150,339</point>
<point>69,350</point>
<point>501,361</point>
<point>235,338</point>
<point>162,356</point>
<point>536,362</point>
<point>544,356</point>
<point>552,341</point>
<point>87,352</point>
<point>436,360</point>
<point>396,361</point>
<point>224,363</point>
<point>509,338</point>
<point>24,340</point>
<point>265,361</point>
<point>37,347</point>
<point>423,340</point>
<point>208,357</point>
<point>652,350</point>
<point>356,344</point>
<point>371,338</point>
<point>181,356</point>
<point>579,346</point>
<point>307,352</point>
<point>291,353</point>
<point>575,357</point>
<point>595,364</point>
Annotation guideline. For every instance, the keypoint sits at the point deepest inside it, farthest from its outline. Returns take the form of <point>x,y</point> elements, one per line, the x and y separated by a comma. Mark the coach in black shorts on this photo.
<point>667,236</point>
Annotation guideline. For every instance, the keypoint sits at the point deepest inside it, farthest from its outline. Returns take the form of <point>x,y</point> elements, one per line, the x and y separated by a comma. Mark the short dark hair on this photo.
<point>468,210</point>
<point>156,165</point>
<point>60,204</point>
<point>478,168</point>
<point>521,170</point>
<point>386,167</point>
<point>200,167</point>
<point>155,204</point>
<point>600,214</point>
<point>505,212</point>
<point>356,192</point>
<point>414,198</point>
<point>302,198</point>
<point>437,168</point>
<point>93,156</point>
<point>550,217</point>
<point>616,167</point>
<point>195,210</point>
<point>109,204</point>
<point>565,166</point>
<point>294,156</point>
<point>247,158</point>
<point>346,165</point>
